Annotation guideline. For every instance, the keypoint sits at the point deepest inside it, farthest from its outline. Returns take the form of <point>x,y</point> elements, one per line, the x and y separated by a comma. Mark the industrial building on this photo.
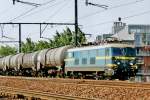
<point>138,35</point>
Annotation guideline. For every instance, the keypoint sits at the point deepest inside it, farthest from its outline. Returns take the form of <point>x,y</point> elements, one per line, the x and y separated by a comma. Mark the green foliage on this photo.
<point>60,39</point>
<point>42,45</point>
<point>28,46</point>
<point>67,38</point>
<point>7,50</point>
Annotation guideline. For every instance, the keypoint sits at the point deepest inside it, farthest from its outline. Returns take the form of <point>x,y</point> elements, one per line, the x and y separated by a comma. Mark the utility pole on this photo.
<point>20,47</point>
<point>76,22</point>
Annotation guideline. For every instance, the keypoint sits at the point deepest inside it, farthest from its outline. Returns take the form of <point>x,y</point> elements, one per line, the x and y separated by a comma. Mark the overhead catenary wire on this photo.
<point>54,14</point>
<point>46,8</point>
<point>109,8</point>
<point>57,11</point>
<point>2,26</point>
<point>126,17</point>
<point>22,14</point>
<point>30,10</point>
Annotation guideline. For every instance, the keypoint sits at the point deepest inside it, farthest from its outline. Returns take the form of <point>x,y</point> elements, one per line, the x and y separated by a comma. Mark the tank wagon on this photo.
<point>113,60</point>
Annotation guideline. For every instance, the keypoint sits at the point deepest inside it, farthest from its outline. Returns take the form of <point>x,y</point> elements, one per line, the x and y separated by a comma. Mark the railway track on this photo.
<point>36,94</point>
<point>73,89</point>
<point>87,82</point>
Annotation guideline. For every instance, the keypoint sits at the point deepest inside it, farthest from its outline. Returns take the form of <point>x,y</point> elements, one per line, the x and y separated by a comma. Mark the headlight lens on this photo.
<point>118,63</point>
<point>131,63</point>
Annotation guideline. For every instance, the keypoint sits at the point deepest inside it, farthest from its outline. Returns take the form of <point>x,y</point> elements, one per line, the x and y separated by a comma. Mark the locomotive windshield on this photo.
<point>123,52</point>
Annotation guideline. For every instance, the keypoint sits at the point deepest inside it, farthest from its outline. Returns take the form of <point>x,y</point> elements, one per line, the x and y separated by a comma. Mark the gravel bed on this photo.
<point>77,89</point>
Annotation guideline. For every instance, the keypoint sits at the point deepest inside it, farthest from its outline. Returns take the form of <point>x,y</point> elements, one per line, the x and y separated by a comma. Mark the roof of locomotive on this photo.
<point>100,46</point>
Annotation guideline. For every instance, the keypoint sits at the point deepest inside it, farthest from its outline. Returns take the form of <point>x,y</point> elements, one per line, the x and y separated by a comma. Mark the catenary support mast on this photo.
<point>76,22</point>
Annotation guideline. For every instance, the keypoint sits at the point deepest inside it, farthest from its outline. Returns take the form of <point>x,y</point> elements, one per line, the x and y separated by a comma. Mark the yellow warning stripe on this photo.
<point>103,57</point>
<point>69,59</point>
<point>124,58</point>
<point>111,65</point>
<point>106,57</point>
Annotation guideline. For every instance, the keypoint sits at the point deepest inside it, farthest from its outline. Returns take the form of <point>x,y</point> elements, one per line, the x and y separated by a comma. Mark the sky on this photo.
<point>92,20</point>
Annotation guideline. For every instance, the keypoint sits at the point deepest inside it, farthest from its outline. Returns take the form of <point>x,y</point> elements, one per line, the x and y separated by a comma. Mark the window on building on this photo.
<point>137,39</point>
<point>137,51</point>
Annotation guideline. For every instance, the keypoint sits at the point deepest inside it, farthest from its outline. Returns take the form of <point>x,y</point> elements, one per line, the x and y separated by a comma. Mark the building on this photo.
<point>139,35</point>
<point>123,33</point>
<point>142,44</point>
<point>103,37</point>
<point>118,26</point>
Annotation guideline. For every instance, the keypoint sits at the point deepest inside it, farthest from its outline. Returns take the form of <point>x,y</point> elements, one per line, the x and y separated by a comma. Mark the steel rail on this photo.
<point>88,82</point>
<point>37,94</point>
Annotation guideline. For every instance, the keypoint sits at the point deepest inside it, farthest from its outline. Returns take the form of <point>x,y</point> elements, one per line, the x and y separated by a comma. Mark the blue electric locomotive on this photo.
<point>113,60</point>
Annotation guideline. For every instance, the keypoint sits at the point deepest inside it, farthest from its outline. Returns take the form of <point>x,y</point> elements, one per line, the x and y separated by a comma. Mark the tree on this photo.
<point>42,45</point>
<point>60,39</point>
<point>7,50</point>
<point>80,37</point>
<point>67,38</point>
<point>28,46</point>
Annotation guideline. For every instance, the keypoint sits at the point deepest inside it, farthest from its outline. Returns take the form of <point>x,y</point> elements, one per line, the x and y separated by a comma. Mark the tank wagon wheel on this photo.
<point>40,73</point>
<point>33,73</point>
<point>20,73</point>
<point>8,72</point>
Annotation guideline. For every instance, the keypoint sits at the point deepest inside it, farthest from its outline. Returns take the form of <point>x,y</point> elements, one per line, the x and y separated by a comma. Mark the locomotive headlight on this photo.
<point>118,63</point>
<point>131,63</point>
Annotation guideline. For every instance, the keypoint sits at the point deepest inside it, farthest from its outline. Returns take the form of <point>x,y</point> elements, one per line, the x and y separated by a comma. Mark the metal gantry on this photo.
<point>20,24</point>
<point>35,4</point>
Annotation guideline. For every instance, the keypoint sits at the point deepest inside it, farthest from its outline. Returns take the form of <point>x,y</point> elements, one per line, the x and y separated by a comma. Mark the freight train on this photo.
<point>115,61</point>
